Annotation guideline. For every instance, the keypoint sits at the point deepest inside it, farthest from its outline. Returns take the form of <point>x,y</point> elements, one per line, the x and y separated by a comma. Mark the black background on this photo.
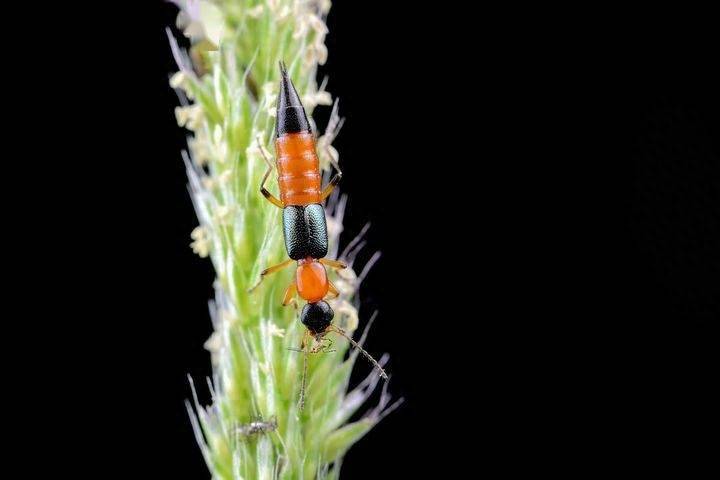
<point>546,196</point>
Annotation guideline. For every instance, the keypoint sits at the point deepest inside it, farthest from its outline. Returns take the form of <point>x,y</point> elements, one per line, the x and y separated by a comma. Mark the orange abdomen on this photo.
<point>298,169</point>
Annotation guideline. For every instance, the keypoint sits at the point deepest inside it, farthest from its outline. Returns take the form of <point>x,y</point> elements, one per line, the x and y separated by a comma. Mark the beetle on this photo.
<point>304,224</point>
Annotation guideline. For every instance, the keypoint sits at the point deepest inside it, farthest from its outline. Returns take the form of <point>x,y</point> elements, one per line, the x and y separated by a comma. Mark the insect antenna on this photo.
<point>301,402</point>
<point>340,331</point>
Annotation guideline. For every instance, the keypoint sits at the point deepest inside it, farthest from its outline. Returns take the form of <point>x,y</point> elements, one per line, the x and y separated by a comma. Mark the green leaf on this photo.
<point>340,440</point>
<point>235,49</point>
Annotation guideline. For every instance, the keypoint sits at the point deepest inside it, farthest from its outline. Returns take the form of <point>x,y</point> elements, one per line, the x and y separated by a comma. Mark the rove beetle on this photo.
<point>304,227</point>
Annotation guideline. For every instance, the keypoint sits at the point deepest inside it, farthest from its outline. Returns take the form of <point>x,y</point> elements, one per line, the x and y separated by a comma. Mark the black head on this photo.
<point>291,117</point>
<point>317,316</point>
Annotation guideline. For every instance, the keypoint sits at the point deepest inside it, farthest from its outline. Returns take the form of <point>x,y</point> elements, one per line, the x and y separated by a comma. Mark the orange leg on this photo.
<point>335,179</point>
<point>337,264</point>
<point>332,291</point>
<point>270,270</point>
<point>289,296</point>
<point>271,198</point>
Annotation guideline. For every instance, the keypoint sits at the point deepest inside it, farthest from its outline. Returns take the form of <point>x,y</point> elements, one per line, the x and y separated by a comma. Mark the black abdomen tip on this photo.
<point>291,117</point>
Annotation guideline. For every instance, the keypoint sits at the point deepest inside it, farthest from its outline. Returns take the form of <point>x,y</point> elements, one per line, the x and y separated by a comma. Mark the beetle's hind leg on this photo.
<point>271,198</point>
<point>335,179</point>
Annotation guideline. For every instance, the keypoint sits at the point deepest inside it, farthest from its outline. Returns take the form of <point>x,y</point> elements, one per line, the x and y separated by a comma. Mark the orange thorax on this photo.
<point>311,280</point>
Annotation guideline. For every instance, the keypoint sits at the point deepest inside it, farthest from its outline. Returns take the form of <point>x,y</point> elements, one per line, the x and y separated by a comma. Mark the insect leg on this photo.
<point>289,296</point>
<point>270,270</point>
<point>332,291</point>
<point>336,264</point>
<point>335,179</point>
<point>271,198</point>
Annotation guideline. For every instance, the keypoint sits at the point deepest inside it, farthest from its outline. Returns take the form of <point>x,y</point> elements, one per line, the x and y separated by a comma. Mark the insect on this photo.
<point>257,426</point>
<point>304,226</point>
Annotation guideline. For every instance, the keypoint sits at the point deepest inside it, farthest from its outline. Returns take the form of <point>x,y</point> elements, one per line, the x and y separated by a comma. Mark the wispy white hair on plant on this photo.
<point>227,85</point>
